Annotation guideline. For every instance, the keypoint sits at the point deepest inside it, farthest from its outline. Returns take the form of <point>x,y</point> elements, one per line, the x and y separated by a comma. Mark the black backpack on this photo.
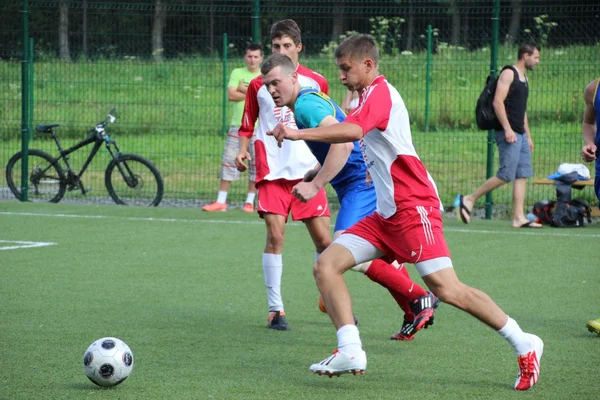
<point>563,214</point>
<point>484,111</point>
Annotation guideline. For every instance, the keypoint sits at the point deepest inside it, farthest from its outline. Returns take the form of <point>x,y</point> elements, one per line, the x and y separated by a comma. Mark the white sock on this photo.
<point>273,269</point>
<point>349,340</point>
<point>222,197</point>
<point>317,255</point>
<point>519,340</point>
<point>250,198</point>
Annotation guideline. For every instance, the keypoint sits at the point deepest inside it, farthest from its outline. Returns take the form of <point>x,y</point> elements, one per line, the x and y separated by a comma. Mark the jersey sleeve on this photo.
<point>234,78</point>
<point>324,86</point>
<point>311,109</point>
<point>374,112</point>
<point>251,110</point>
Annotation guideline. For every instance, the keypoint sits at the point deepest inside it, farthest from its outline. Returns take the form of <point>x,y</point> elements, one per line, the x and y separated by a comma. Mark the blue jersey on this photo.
<point>311,108</point>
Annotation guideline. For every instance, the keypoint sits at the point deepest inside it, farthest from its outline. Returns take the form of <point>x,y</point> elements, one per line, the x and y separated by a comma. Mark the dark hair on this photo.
<point>286,27</point>
<point>358,46</point>
<point>527,48</point>
<point>254,47</point>
<point>277,60</point>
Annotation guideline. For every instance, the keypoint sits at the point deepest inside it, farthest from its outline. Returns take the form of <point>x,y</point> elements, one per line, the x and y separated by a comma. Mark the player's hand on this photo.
<point>304,191</point>
<point>368,179</point>
<point>281,132</point>
<point>310,175</point>
<point>242,87</point>
<point>588,152</point>
<point>530,143</point>
<point>240,160</point>
<point>510,137</point>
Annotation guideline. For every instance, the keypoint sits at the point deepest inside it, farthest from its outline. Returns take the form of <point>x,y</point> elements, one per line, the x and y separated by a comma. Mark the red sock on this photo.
<point>398,282</point>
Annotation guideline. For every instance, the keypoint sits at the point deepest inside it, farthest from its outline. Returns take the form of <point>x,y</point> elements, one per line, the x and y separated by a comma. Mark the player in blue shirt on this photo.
<point>351,183</point>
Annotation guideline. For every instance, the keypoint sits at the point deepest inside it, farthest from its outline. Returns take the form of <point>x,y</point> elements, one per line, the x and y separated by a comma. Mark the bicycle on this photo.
<point>129,179</point>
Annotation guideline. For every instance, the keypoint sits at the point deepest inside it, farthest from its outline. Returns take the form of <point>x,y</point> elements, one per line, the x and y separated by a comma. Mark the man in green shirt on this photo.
<point>236,93</point>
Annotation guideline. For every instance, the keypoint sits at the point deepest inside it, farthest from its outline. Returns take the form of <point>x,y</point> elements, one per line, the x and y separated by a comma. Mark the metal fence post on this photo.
<point>30,125</point>
<point>256,22</point>
<point>225,79</point>
<point>490,138</point>
<point>25,103</point>
<point>428,77</point>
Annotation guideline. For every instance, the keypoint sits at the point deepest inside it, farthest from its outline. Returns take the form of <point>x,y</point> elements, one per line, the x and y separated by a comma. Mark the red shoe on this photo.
<point>249,208</point>
<point>529,365</point>
<point>216,206</point>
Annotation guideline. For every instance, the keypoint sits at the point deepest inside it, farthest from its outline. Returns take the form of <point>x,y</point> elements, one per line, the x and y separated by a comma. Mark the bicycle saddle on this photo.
<point>45,128</point>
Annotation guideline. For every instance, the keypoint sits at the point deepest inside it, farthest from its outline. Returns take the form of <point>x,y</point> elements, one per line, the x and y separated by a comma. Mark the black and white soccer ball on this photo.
<point>108,362</point>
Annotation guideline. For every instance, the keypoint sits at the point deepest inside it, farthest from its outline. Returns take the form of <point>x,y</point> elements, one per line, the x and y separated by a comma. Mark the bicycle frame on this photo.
<point>96,138</point>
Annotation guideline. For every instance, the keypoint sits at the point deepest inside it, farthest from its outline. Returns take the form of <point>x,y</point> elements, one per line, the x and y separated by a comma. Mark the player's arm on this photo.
<point>234,94</point>
<point>505,79</point>
<point>528,133</point>
<point>246,130</point>
<point>588,128</point>
<point>233,87</point>
<point>336,158</point>
<point>336,133</point>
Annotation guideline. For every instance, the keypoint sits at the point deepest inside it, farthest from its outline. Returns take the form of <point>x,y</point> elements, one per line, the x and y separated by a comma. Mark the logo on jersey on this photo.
<point>363,150</point>
<point>285,116</point>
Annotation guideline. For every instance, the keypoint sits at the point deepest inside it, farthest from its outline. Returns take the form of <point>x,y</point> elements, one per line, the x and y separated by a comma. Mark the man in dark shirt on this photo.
<point>512,137</point>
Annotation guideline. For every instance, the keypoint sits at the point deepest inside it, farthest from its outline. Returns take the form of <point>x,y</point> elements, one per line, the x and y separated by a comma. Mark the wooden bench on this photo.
<point>578,184</point>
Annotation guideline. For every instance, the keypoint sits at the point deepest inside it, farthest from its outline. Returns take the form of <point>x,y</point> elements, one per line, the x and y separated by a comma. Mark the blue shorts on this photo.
<point>515,158</point>
<point>356,204</point>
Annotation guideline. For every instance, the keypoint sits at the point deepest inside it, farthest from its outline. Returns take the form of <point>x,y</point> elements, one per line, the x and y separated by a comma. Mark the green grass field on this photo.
<point>185,290</point>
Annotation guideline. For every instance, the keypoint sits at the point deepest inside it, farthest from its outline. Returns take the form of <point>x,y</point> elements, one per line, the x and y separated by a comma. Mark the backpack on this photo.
<point>484,110</point>
<point>563,214</point>
<point>543,211</point>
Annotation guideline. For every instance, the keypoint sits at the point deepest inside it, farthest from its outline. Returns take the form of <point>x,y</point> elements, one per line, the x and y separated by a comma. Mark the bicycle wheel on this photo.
<point>133,180</point>
<point>47,181</point>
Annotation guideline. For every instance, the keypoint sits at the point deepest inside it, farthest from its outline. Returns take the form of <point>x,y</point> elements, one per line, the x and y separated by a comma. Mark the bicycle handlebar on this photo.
<point>99,128</point>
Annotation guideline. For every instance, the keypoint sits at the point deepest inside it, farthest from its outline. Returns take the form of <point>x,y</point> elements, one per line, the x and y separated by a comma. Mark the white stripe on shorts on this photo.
<point>429,238</point>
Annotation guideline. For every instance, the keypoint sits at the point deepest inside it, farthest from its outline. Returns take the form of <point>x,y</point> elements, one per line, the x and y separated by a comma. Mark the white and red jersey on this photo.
<point>294,158</point>
<point>400,178</point>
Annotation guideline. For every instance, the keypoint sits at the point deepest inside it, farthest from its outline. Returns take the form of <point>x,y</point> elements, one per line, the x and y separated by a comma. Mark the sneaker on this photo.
<point>324,310</point>
<point>407,332</point>
<point>216,206</point>
<point>340,363</point>
<point>594,326</point>
<point>249,208</point>
<point>529,366</point>
<point>277,321</point>
<point>423,308</point>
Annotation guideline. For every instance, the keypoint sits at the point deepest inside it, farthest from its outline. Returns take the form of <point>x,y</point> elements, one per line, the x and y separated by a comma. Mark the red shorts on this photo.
<point>275,197</point>
<point>412,235</point>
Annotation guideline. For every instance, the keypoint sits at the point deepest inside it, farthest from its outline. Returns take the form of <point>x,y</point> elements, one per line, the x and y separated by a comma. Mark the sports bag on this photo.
<point>562,214</point>
<point>484,110</point>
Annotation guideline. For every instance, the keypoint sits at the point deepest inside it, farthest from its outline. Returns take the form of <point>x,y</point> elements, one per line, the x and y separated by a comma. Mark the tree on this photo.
<point>339,20</point>
<point>158,30</point>
<point>515,20</point>
<point>63,30</point>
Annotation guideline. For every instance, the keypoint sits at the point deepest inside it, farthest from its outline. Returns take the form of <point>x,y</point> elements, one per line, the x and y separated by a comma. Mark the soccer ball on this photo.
<point>108,362</point>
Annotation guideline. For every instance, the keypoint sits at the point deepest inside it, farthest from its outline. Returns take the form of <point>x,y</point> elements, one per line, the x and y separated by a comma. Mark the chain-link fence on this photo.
<point>164,65</point>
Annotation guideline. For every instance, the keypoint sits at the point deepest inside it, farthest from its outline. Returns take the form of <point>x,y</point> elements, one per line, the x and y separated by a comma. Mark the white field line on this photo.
<point>541,232</point>
<point>23,245</point>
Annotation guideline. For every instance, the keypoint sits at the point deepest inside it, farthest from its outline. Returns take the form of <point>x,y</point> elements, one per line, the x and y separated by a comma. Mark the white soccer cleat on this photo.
<point>340,363</point>
<point>529,365</point>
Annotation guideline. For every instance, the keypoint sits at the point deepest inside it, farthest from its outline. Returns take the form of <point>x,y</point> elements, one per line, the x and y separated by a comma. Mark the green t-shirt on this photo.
<point>237,75</point>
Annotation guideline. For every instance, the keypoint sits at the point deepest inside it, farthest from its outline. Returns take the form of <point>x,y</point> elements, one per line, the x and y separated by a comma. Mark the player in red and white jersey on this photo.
<point>294,159</point>
<point>407,225</point>
<point>279,170</point>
